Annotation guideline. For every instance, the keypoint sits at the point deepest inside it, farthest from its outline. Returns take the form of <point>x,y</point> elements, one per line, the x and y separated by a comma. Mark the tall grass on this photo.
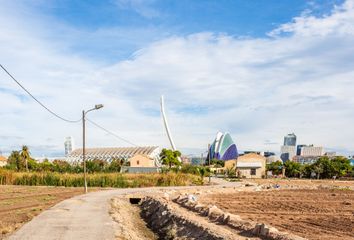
<point>118,180</point>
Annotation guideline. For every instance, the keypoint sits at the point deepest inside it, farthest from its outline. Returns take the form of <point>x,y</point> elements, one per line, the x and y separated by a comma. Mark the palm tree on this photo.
<point>25,154</point>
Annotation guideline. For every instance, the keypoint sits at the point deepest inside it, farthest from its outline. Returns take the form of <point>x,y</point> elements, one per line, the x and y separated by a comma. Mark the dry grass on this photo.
<point>117,180</point>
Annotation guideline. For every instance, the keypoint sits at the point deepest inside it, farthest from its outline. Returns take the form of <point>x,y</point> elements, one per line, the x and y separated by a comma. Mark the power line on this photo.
<point>112,133</point>
<point>39,102</point>
<point>64,119</point>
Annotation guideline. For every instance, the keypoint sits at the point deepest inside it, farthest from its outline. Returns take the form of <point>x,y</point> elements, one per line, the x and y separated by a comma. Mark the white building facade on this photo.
<point>308,151</point>
<point>69,145</point>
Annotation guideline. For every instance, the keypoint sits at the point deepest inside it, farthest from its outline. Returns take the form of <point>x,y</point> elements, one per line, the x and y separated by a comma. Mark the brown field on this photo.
<point>19,204</point>
<point>303,183</point>
<point>310,213</point>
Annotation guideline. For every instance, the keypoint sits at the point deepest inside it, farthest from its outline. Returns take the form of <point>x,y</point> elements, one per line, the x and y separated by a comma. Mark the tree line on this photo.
<point>324,167</point>
<point>22,161</point>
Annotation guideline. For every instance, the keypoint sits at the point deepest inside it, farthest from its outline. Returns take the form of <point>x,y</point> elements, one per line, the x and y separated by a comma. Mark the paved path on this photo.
<point>81,217</point>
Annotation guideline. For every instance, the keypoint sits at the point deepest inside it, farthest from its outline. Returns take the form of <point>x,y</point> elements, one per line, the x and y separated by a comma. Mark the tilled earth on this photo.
<point>19,204</point>
<point>313,214</point>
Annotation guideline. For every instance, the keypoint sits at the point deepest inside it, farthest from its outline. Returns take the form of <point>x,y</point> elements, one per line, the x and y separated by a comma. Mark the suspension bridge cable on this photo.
<point>111,133</point>
<point>39,102</point>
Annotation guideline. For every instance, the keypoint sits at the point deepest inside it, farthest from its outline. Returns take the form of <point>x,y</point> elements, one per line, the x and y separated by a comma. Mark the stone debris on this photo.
<point>213,213</point>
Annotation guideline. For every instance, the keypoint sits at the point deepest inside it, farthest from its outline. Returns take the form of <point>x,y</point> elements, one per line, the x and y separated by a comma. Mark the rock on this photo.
<point>192,197</point>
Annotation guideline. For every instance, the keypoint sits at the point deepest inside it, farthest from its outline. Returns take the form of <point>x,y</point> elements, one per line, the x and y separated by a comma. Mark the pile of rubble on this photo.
<point>214,214</point>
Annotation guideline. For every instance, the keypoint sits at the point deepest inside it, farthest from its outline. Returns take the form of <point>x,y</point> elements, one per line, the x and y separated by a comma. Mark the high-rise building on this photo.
<point>287,153</point>
<point>312,151</point>
<point>290,140</point>
<point>69,145</point>
<point>298,149</point>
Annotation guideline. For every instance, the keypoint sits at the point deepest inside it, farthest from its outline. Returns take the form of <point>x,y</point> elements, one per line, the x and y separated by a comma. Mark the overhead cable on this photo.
<point>111,133</point>
<point>39,102</point>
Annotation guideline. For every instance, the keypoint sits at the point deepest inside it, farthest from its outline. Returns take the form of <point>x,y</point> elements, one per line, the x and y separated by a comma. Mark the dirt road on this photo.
<point>82,217</point>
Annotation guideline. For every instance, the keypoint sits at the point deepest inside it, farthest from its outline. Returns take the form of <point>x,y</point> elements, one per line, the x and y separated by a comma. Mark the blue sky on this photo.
<point>257,69</point>
<point>141,22</point>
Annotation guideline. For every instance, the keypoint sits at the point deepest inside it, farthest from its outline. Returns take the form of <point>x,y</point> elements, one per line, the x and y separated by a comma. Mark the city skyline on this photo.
<point>257,76</point>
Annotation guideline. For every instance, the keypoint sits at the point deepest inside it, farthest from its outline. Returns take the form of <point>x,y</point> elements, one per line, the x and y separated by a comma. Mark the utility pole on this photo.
<point>83,149</point>
<point>209,163</point>
<point>97,106</point>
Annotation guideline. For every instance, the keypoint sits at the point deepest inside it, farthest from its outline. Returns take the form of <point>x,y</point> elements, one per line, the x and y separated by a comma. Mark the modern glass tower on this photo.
<point>290,140</point>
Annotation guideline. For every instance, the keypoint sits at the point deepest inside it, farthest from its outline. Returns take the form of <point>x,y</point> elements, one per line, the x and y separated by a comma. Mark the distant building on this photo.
<point>250,151</point>
<point>250,166</point>
<point>307,151</point>
<point>69,145</point>
<point>198,160</point>
<point>287,153</point>
<point>290,140</point>
<point>121,153</point>
<point>186,159</point>
<point>223,147</point>
<point>298,149</point>
<point>273,158</point>
<point>305,159</point>
<point>140,160</point>
<point>268,154</point>
<point>330,154</point>
<point>3,161</point>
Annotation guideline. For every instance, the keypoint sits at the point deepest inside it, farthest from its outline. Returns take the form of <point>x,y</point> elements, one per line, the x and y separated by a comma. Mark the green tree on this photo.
<point>275,167</point>
<point>292,169</point>
<point>25,154</point>
<point>202,172</point>
<point>95,165</point>
<point>217,163</point>
<point>340,166</point>
<point>115,165</point>
<point>33,164</point>
<point>62,166</point>
<point>170,157</point>
<point>323,168</point>
<point>15,161</point>
<point>46,166</point>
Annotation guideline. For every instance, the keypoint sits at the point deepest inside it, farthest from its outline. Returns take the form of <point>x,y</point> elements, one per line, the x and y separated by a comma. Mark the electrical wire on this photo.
<point>39,102</point>
<point>111,133</point>
<point>64,119</point>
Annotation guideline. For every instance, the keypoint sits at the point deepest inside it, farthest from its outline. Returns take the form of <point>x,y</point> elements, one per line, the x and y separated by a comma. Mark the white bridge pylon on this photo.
<point>173,146</point>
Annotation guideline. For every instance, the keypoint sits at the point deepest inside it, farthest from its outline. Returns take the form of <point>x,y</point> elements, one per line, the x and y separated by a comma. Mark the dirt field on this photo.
<point>310,213</point>
<point>303,183</point>
<point>19,204</point>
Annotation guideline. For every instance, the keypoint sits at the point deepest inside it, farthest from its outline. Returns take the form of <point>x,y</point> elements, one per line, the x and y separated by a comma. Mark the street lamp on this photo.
<point>97,106</point>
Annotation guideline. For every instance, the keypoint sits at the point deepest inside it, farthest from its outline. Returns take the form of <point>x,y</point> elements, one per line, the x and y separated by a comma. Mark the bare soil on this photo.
<point>130,225</point>
<point>309,213</point>
<point>304,183</point>
<point>19,204</point>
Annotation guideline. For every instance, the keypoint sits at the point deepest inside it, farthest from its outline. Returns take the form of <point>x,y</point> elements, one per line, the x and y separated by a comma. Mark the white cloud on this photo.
<point>257,89</point>
<point>339,23</point>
